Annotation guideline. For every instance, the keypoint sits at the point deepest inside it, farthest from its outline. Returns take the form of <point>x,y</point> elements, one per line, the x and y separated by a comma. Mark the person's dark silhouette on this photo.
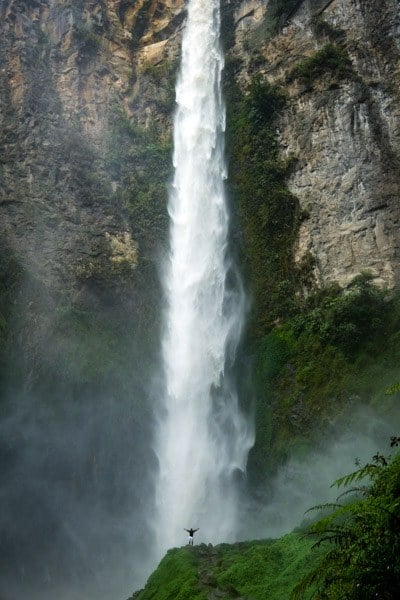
<point>191,533</point>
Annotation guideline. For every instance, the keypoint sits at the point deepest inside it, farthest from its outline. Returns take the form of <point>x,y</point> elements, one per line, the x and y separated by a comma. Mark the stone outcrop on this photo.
<point>66,69</point>
<point>345,134</point>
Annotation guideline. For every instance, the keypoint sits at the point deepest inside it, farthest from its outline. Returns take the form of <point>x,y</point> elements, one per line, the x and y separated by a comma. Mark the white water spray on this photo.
<point>203,438</point>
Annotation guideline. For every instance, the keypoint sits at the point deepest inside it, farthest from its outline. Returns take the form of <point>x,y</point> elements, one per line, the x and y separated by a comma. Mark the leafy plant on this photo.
<point>331,58</point>
<point>142,159</point>
<point>363,560</point>
<point>337,350</point>
<point>345,318</point>
<point>267,210</point>
<point>257,569</point>
<point>280,10</point>
<point>89,42</point>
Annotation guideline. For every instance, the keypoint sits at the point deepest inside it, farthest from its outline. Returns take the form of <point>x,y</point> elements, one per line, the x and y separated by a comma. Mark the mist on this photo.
<point>74,500</point>
<point>305,482</point>
<point>78,476</point>
<point>77,465</point>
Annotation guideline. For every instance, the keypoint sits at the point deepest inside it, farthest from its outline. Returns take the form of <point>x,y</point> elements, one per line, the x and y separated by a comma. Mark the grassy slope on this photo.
<point>253,570</point>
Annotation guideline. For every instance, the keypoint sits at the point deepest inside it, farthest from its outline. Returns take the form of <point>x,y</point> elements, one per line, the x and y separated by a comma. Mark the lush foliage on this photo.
<point>331,59</point>
<point>341,348</point>
<point>141,158</point>
<point>88,42</point>
<point>258,570</point>
<point>281,9</point>
<point>175,579</point>
<point>267,210</point>
<point>363,535</point>
<point>344,319</point>
<point>140,23</point>
<point>316,353</point>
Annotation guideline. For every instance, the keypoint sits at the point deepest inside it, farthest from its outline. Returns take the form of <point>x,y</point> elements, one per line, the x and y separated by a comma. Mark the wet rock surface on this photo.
<point>344,134</point>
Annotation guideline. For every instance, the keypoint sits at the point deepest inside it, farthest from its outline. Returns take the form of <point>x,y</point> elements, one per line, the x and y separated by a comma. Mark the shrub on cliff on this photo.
<point>331,58</point>
<point>267,210</point>
<point>346,319</point>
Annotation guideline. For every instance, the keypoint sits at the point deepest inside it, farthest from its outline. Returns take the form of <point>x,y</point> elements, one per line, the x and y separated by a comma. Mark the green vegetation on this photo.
<point>175,578</point>
<point>347,320</point>
<point>141,159</point>
<point>140,23</point>
<point>315,353</point>
<point>340,349</point>
<point>282,9</point>
<point>268,212</point>
<point>356,554</point>
<point>363,560</point>
<point>161,79</point>
<point>330,59</point>
<point>264,569</point>
<point>105,316</point>
<point>257,570</point>
<point>323,29</point>
<point>88,42</point>
<point>228,23</point>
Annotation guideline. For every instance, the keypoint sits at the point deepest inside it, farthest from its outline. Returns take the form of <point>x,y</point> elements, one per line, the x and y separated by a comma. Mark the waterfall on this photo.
<point>202,436</point>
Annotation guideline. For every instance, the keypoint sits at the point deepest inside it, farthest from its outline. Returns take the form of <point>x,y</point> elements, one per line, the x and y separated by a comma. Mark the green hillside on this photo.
<point>249,570</point>
<point>350,553</point>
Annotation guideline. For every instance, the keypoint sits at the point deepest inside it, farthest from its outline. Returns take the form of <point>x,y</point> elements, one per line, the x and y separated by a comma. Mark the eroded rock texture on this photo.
<point>66,69</point>
<point>344,133</point>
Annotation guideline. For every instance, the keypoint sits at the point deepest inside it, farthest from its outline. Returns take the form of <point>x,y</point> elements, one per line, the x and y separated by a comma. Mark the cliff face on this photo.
<point>86,102</point>
<point>335,146</point>
<point>86,96</point>
<point>66,69</point>
<point>344,132</point>
<point>85,114</point>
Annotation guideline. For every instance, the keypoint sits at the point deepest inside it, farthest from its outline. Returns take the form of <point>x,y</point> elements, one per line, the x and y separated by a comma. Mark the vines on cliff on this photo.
<point>318,353</point>
<point>268,212</point>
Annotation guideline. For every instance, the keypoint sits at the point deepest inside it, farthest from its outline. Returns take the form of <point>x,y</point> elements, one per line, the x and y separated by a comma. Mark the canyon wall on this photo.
<point>86,104</point>
<point>344,133</point>
<point>68,68</point>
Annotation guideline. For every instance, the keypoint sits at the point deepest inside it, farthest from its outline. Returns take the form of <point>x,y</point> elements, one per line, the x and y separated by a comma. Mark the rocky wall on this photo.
<point>344,132</point>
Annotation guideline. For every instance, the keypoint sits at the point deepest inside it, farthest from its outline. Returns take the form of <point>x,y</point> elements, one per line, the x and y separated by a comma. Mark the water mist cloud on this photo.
<point>303,483</point>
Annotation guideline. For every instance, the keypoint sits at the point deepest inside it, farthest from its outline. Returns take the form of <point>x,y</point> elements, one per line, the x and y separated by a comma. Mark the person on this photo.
<point>191,533</point>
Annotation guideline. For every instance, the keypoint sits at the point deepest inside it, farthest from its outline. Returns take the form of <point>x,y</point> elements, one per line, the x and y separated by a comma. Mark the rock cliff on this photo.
<point>86,103</point>
<point>68,68</point>
<point>344,132</point>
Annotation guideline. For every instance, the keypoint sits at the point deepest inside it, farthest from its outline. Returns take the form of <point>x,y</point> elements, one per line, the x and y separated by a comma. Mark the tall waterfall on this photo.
<point>203,438</point>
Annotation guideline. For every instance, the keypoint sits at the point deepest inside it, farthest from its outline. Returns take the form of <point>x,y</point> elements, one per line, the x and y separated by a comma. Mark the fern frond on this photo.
<point>332,539</point>
<point>300,589</point>
<point>393,389</point>
<point>355,490</point>
<point>326,506</point>
<point>339,516</point>
<point>314,576</point>
<point>369,470</point>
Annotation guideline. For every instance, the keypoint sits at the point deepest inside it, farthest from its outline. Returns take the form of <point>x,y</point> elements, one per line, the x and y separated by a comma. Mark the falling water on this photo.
<point>203,438</point>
